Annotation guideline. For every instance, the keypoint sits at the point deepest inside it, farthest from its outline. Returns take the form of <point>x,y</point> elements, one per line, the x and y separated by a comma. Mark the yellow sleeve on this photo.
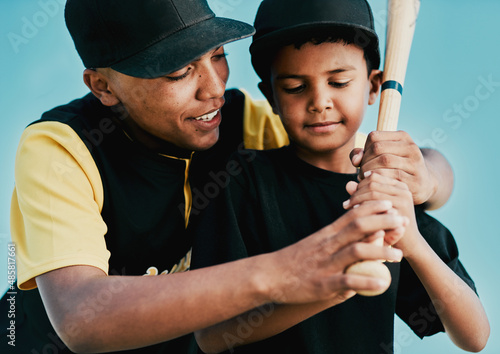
<point>56,205</point>
<point>262,129</point>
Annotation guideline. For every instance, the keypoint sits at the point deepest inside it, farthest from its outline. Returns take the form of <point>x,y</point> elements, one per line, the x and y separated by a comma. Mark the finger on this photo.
<point>365,195</point>
<point>351,187</point>
<point>396,174</point>
<point>362,251</point>
<point>392,237</point>
<point>381,184</point>
<point>356,156</point>
<point>361,227</point>
<point>389,193</point>
<point>377,177</point>
<point>387,161</point>
<point>395,136</point>
<point>379,235</point>
<point>375,183</point>
<point>343,282</point>
<point>399,148</point>
<point>370,208</point>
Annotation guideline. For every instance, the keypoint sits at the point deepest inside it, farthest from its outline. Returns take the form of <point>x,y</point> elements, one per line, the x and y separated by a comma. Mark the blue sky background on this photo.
<point>451,102</point>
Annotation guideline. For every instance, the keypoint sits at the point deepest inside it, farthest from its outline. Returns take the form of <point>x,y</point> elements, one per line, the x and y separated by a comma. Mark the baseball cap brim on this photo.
<point>365,38</point>
<point>183,47</point>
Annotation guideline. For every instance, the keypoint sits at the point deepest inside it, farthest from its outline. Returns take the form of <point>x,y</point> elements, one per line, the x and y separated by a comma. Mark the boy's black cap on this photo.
<point>147,38</point>
<point>279,21</point>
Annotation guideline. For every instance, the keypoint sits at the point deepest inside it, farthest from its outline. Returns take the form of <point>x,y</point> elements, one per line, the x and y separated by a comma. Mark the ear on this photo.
<point>375,83</point>
<point>267,91</point>
<point>98,83</point>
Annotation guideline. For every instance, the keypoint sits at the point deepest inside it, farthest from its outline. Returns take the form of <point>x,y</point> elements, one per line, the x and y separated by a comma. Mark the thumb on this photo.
<point>351,187</point>
<point>356,156</point>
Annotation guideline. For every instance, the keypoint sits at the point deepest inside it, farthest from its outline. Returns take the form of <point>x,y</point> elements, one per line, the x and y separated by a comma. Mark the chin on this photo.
<point>206,142</point>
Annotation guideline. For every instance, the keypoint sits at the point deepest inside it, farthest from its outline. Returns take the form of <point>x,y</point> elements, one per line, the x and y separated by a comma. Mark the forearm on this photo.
<point>140,311</point>
<point>458,307</point>
<point>442,176</point>
<point>257,324</point>
<point>108,313</point>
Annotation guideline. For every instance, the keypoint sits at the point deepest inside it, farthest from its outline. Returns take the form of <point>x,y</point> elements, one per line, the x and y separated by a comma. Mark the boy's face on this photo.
<point>321,93</point>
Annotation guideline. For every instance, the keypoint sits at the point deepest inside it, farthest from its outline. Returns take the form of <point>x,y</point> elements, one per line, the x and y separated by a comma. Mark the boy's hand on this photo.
<point>394,154</point>
<point>375,186</point>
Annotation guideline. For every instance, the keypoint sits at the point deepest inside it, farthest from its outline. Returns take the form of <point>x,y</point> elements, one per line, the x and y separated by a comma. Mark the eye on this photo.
<point>220,56</point>
<point>294,90</point>
<point>339,84</point>
<point>178,77</point>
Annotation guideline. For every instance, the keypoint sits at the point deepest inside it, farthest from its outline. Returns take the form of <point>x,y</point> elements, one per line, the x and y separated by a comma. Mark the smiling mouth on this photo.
<point>323,124</point>
<point>207,117</point>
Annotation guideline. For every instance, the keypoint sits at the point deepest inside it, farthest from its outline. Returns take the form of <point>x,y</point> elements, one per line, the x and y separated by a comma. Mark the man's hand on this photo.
<point>394,154</point>
<point>313,269</point>
<point>308,276</point>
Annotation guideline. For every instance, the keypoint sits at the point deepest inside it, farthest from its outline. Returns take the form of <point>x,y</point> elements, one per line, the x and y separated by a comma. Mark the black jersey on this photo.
<point>275,199</point>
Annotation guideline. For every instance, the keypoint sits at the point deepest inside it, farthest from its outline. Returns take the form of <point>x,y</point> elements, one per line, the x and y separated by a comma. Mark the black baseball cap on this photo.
<point>147,38</point>
<point>278,22</point>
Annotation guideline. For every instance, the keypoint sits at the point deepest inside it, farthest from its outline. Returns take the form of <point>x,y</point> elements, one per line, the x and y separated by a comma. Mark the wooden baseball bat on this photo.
<point>402,17</point>
<point>400,29</point>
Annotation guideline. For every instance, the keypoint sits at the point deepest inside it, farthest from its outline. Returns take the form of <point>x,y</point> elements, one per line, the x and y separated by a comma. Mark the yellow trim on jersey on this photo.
<point>188,197</point>
<point>56,205</point>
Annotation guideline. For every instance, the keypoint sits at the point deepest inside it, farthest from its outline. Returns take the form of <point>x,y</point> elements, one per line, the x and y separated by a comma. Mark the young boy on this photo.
<point>319,64</point>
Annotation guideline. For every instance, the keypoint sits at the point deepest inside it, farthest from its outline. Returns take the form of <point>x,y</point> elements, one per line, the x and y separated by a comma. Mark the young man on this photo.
<point>319,79</point>
<point>106,185</point>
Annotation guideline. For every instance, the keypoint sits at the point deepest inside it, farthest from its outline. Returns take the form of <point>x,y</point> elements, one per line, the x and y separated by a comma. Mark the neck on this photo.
<point>336,160</point>
<point>151,142</point>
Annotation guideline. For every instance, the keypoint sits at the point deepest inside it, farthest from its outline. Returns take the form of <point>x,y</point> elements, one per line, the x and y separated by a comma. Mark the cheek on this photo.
<point>289,107</point>
<point>224,71</point>
<point>354,105</point>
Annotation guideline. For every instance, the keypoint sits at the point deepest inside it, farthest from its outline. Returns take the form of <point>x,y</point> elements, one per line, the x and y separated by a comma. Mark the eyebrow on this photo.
<point>331,72</point>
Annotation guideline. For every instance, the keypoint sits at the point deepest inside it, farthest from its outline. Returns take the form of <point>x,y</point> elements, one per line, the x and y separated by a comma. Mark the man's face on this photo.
<point>321,93</point>
<point>182,108</point>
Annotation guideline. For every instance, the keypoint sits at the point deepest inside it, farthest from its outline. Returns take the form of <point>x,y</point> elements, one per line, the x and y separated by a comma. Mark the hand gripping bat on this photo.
<point>402,17</point>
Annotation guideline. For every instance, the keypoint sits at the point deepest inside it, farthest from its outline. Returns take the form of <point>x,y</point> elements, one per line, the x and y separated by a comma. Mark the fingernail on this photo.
<point>367,174</point>
<point>346,203</point>
<point>398,254</point>
<point>356,206</point>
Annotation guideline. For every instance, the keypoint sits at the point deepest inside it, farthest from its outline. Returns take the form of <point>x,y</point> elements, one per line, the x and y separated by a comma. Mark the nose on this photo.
<point>212,79</point>
<point>320,100</point>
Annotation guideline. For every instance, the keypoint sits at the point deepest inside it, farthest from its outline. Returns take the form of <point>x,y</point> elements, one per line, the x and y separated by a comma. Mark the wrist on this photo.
<point>434,184</point>
<point>263,282</point>
<point>416,250</point>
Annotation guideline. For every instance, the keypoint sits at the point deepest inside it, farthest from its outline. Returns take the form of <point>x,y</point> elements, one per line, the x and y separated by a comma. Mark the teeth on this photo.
<point>208,117</point>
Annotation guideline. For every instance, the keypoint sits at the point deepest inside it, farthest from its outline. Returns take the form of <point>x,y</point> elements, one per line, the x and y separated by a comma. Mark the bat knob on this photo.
<point>374,269</point>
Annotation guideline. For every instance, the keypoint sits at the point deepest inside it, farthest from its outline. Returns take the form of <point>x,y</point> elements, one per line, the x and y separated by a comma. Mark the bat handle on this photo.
<point>390,104</point>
